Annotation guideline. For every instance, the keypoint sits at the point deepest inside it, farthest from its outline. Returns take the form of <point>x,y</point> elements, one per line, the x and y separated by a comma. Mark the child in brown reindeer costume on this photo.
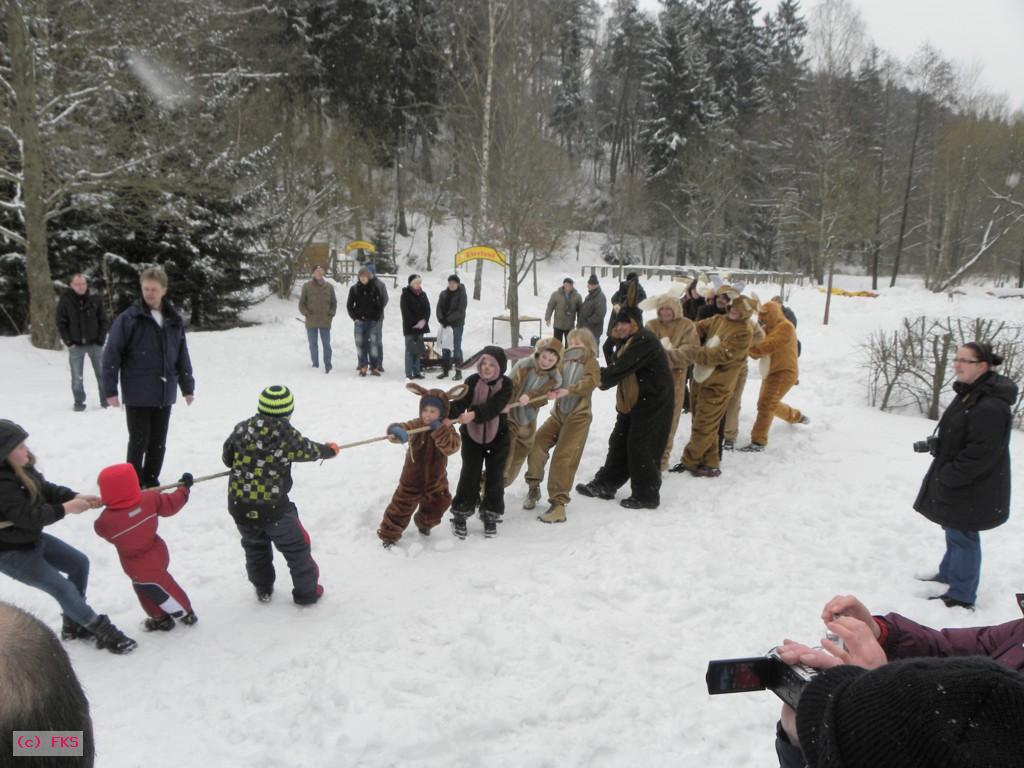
<point>726,341</point>
<point>731,421</point>
<point>674,330</point>
<point>532,377</point>
<point>779,372</point>
<point>424,479</point>
<point>566,428</point>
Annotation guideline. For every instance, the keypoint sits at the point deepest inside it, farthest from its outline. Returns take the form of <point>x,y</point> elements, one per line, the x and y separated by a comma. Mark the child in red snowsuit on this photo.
<point>129,522</point>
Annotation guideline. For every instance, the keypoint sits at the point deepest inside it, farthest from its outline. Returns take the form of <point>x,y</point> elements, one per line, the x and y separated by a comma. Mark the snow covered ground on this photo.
<point>583,644</point>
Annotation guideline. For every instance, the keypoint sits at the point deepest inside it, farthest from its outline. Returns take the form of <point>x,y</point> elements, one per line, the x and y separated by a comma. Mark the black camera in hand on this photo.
<point>929,445</point>
<point>759,673</point>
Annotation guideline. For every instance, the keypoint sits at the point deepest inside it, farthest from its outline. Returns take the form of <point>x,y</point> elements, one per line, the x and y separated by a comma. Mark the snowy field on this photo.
<point>583,644</point>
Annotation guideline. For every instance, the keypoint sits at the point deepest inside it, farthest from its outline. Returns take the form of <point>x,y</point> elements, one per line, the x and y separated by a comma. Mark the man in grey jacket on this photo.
<point>564,305</point>
<point>593,310</point>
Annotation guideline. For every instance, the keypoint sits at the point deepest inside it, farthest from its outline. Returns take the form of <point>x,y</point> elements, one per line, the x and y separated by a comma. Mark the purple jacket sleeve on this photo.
<point>1003,643</point>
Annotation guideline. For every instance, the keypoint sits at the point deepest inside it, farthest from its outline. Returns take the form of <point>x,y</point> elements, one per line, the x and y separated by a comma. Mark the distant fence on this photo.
<point>689,271</point>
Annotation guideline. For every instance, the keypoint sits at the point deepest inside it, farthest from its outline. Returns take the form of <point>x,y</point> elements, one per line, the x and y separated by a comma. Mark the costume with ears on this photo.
<point>424,479</point>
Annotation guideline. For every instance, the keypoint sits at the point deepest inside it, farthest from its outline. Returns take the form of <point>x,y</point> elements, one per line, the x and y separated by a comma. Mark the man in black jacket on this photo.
<point>451,314</point>
<point>367,312</point>
<point>83,328</point>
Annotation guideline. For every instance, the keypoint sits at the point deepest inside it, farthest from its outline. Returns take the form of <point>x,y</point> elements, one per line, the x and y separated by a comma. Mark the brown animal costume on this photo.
<point>677,332</point>
<point>778,350</point>
<point>424,479</point>
<point>528,379</point>
<point>717,365</point>
<point>566,429</point>
<point>732,411</point>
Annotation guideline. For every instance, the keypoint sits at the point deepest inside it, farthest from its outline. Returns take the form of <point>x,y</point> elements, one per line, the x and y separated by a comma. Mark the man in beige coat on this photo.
<point>318,305</point>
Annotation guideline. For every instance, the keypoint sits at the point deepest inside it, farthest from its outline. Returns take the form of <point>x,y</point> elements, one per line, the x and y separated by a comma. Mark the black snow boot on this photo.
<point>459,526</point>
<point>162,624</point>
<point>110,637</point>
<point>595,490</point>
<point>490,527</point>
<point>458,375</point>
<point>72,630</point>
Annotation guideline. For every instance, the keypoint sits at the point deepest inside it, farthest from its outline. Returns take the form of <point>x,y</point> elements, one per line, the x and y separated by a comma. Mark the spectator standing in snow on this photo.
<point>630,294</point>
<point>365,309</point>
<point>29,503</point>
<point>593,309</point>
<point>318,305</point>
<point>83,328</point>
<point>451,314</point>
<point>383,291</point>
<point>415,324</point>
<point>41,689</point>
<point>967,488</point>
<point>564,307</point>
<point>147,348</point>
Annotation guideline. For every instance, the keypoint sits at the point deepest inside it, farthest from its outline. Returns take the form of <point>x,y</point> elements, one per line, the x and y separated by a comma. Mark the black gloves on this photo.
<point>186,480</point>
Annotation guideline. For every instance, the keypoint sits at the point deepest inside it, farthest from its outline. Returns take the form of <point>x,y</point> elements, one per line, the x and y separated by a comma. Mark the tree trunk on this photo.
<point>42,316</point>
<point>1020,269</point>
<point>918,116</point>
<point>400,223</point>
<point>828,289</point>
<point>485,145</point>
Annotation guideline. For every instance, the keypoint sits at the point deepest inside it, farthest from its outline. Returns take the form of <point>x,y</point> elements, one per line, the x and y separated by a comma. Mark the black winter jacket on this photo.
<point>592,312</point>
<point>968,483</point>
<point>364,302</point>
<point>29,517</point>
<point>414,309</point>
<point>647,359</point>
<point>80,319</point>
<point>451,307</point>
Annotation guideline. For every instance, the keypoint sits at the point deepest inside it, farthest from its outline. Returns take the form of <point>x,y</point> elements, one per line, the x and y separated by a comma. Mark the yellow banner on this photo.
<point>361,244</point>
<point>479,252</point>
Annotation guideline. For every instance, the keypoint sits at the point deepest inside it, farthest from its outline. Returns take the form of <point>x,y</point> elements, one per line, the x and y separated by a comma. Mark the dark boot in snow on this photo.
<point>163,624</point>
<point>72,630</point>
<point>459,526</point>
<point>110,637</point>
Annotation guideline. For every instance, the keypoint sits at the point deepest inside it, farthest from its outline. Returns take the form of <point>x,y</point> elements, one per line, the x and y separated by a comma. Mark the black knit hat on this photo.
<point>11,436</point>
<point>592,280</point>
<point>453,278</point>
<point>277,400</point>
<point>918,713</point>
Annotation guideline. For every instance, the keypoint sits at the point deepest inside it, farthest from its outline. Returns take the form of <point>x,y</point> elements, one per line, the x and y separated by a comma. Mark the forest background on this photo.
<point>220,138</point>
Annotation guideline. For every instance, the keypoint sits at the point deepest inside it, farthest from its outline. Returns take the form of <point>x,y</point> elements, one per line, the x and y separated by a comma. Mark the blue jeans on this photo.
<point>380,342</point>
<point>961,565</point>
<point>413,355</point>
<point>325,341</point>
<point>41,567</point>
<point>76,356</point>
<point>456,351</point>
<point>366,343</point>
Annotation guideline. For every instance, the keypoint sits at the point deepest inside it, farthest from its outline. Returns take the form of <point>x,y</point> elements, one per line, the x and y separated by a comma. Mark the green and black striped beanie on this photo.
<point>277,401</point>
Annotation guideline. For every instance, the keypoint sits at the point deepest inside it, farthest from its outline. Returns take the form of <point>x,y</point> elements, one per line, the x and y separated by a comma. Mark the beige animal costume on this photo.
<point>424,479</point>
<point>717,365</point>
<point>732,411</point>
<point>566,429</point>
<point>778,350</point>
<point>674,334</point>
<point>528,379</point>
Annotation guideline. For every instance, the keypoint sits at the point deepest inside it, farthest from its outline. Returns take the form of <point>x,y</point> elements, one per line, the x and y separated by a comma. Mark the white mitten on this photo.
<point>666,342</point>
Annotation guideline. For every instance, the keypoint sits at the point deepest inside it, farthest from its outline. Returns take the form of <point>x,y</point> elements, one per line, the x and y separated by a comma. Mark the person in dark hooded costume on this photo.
<point>644,400</point>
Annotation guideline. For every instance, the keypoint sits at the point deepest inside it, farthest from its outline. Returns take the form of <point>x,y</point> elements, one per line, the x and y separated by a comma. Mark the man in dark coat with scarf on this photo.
<point>644,400</point>
<point>967,488</point>
<point>147,348</point>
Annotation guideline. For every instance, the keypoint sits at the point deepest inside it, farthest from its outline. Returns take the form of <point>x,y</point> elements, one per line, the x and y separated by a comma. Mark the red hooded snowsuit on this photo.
<point>129,522</point>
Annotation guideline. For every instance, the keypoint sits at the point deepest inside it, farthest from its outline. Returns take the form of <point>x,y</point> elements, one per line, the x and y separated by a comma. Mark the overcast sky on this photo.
<point>987,32</point>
